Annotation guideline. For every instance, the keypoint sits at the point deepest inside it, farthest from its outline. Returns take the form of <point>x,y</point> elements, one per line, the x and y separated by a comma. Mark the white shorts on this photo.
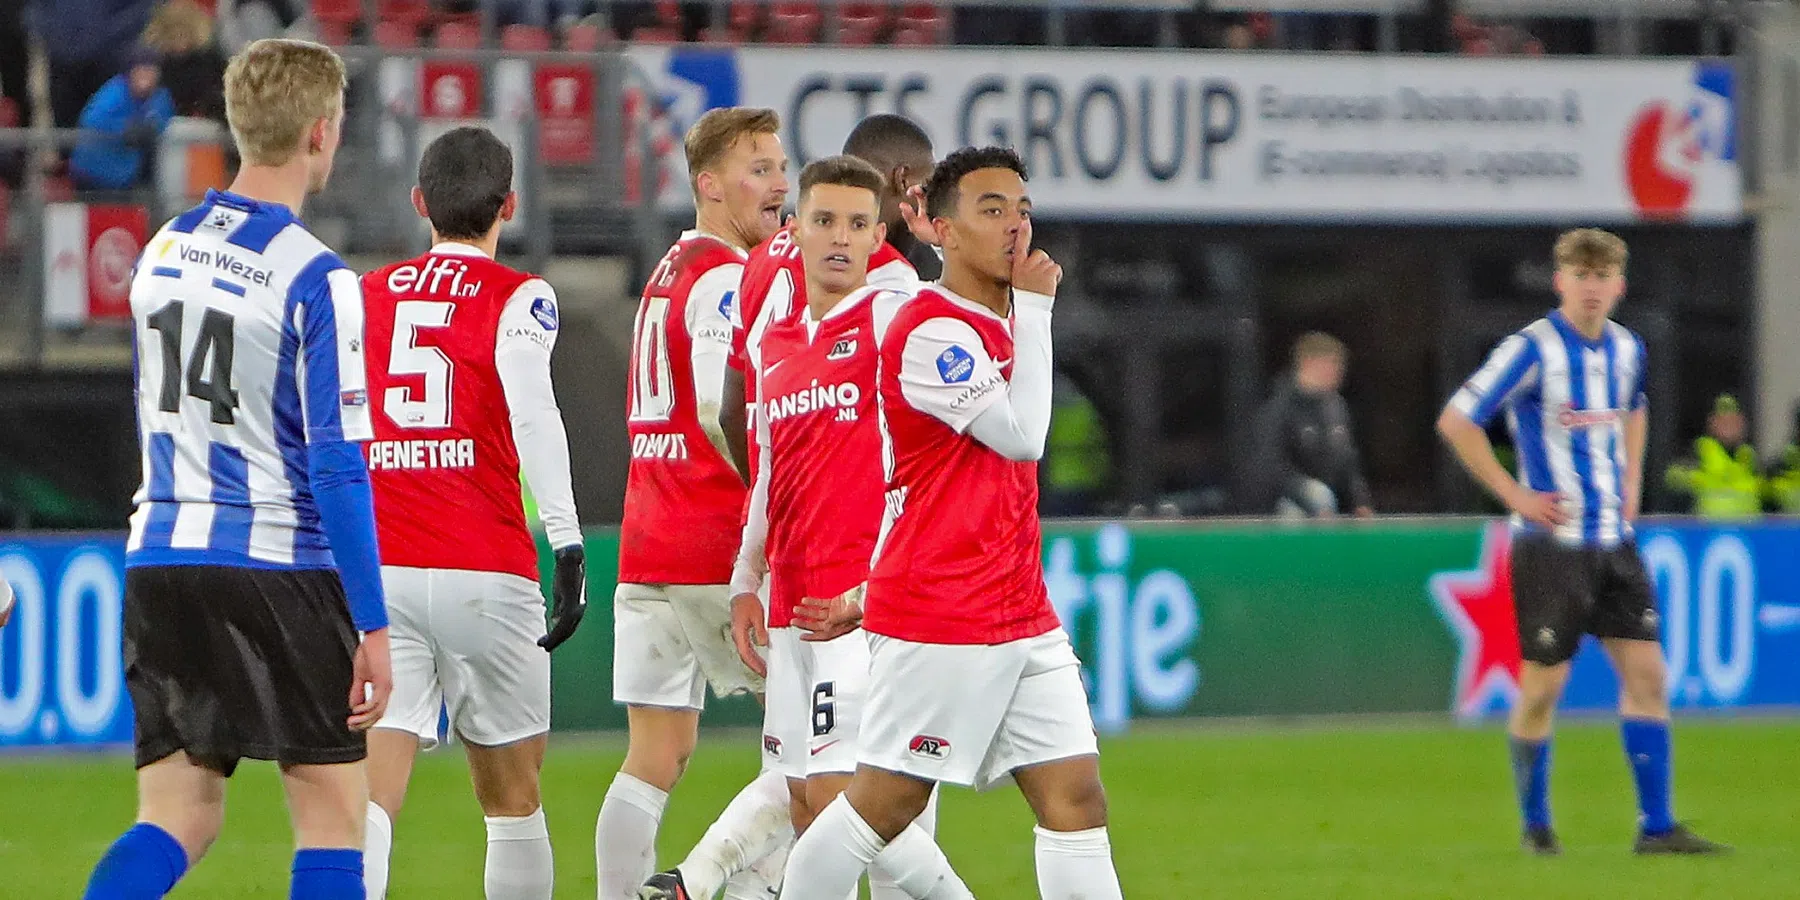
<point>971,714</point>
<point>670,641</point>
<point>815,703</point>
<point>466,640</point>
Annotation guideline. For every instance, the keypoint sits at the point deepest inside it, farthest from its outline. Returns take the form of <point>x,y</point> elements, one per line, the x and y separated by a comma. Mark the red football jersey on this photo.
<point>776,275</point>
<point>960,555</point>
<point>825,477</point>
<point>684,501</point>
<point>443,465</point>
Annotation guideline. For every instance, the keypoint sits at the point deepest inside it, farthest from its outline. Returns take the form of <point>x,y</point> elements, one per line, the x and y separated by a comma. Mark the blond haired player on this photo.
<point>684,503</point>
<point>252,566</point>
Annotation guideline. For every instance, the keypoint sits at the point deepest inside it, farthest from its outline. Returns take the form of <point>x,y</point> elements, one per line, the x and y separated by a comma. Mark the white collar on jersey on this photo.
<point>457,248</point>
<point>964,302</point>
<point>692,233</point>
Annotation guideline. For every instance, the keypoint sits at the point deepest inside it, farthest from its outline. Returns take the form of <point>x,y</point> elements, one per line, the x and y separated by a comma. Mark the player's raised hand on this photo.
<point>912,209</point>
<point>568,596</point>
<point>749,632</point>
<point>1538,507</point>
<point>1033,270</point>
<point>825,620</point>
<point>372,680</point>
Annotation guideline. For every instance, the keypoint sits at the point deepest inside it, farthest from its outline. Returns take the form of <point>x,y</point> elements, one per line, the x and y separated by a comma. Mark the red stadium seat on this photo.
<point>524,38</point>
<point>396,35</point>
<point>925,21</point>
<point>793,22</point>
<point>409,12</point>
<point>861,23</point>
<point>745,15</point>
<point>337,12</point>
<point>588,37</point>
<point>459,36</point>
<point>668,14</point>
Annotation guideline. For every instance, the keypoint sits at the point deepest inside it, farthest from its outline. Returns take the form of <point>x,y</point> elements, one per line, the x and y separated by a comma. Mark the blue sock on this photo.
<point>143,864</point>
<point>1531,775</point>
<point>335,874</point>
<point>1647,749</point>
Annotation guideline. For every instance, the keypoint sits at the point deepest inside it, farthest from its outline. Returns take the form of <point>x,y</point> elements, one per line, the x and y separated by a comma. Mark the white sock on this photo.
<point>756,821</point>
<point>519,865</point>
<point>882,883</point>
<point>378,844</point>
<point>625,836</point>
<point>831,856</point>
<point>912,865</point>
<point>762,881</point>
<point>1076,864</point>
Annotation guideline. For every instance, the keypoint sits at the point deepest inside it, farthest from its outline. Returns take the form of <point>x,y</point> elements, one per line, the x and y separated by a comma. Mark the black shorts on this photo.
<point>230,663</point>
<point>1562,592</point>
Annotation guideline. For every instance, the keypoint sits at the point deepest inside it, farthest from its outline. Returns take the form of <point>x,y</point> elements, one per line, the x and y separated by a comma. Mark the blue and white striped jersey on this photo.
<point>1566,399</point>
<point>248,348</point>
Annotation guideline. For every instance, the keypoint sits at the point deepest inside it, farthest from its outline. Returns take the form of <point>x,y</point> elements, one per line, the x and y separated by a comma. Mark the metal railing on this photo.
<point>591,191</point>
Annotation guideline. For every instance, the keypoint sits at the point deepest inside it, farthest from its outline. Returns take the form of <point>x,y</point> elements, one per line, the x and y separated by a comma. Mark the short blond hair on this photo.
<point>275,89</point>
<point>1589,249</point>
<point>719,130</point>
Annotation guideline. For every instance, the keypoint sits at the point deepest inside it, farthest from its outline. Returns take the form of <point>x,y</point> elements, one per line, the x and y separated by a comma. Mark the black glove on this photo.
<point>568,597</point>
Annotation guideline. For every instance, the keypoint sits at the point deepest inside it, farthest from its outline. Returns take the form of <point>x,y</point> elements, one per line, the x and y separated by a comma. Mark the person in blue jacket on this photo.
<point>130,110</point>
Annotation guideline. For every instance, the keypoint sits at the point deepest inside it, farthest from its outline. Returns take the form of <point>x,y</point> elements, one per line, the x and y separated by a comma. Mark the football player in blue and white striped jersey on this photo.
<point>255,625</point>
<point>1572,386</point>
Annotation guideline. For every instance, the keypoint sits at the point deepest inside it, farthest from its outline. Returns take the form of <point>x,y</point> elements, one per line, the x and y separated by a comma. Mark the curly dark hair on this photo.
<point>941,190</point>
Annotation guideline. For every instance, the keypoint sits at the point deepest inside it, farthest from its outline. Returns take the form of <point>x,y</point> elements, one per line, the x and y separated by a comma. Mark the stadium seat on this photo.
<point>409,12</point>
<point>588,37</point>
<point>793,22</point>
<point>524,38</point>
<point>925,21</point>
<point>745,16</point>
<point>396,35</point>
<point>458,36</point>
<point>861,23</point>
<point>668,15</point>
<point>345,13</point>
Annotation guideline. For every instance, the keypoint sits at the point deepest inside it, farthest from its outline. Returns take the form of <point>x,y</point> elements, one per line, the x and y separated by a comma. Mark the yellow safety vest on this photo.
<point>1724,485</point>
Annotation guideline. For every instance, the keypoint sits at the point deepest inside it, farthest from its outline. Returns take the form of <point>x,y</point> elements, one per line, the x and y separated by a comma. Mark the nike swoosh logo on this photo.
<point>1002,363</point>
<point>822,748</point>
<point>772,366</point>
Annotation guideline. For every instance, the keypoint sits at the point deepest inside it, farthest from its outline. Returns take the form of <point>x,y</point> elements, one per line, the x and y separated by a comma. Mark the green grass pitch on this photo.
<point>1310,811</point>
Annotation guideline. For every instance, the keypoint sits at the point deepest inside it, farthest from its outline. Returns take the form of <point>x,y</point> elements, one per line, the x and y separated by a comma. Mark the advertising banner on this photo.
<point>1221,136</point>
<point>1170,620</point>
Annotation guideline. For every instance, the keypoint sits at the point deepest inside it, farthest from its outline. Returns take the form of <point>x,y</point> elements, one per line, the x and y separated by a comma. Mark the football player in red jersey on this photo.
<point>814,515</point>
<point>459,372</point>
<point>901,151</point>
<point>684,501</point>
<point>971,677</point>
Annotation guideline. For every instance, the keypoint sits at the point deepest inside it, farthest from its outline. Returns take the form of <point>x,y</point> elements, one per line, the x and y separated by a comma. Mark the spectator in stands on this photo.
<point>193,68</point>
<point>1783,487</point>
<point>130,111</point>
<point>1722,476</point>
<point>1305,462</point>
<point>84,40</point>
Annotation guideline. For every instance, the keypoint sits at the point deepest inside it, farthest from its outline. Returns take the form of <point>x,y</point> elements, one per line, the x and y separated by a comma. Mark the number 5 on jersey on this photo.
<point>430,407</point>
